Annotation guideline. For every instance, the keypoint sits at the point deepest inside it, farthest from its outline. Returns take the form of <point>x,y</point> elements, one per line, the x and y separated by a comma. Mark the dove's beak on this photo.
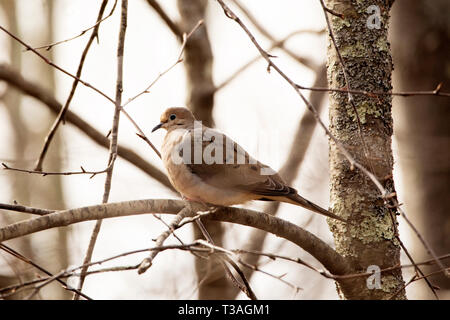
<point>157,127</point>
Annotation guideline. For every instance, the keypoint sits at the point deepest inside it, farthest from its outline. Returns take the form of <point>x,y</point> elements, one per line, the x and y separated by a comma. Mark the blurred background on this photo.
<point>255,108</point>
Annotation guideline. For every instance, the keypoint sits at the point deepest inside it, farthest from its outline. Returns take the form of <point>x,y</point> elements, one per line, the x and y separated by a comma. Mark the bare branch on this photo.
<point>179,60</point>
<point>280,44</point>
<point>56,66</point>
<point>373,94</point>
<point>147,262</point>
<point>275,44</point>
<point>32,263</point>
<point>95,26</point>
<point>114,138</point>
<point>331,260</point>
<point>24,209</point>
<point>176,30</point>
<point>49,173</point>
<point>60,117</point>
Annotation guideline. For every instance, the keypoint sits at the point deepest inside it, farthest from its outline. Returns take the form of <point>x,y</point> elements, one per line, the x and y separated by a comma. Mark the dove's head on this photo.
<point>176,118</point>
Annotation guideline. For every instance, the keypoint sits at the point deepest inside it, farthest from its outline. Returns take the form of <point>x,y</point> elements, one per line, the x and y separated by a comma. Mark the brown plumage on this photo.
<point>207,166</point>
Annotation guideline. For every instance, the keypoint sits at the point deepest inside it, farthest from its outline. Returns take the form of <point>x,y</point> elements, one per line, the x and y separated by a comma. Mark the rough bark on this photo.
<point>370,240</point>
<point>422,57</point>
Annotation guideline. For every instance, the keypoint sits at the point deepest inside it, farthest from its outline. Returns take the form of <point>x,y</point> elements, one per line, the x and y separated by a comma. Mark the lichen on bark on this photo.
<point>371,237</point>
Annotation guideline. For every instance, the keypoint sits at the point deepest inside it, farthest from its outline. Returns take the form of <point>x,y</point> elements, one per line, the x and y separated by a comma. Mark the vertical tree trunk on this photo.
<point>370,238</point>
<point>423,133</point>
<point>213,283</point>
<point>198,61</point>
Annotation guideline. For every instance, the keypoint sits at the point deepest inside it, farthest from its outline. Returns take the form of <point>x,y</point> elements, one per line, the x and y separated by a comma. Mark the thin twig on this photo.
<point>425,244</point>
<point>416,267</point>
<point>347,82</point>
<point>64,71</point>
<point>147,262</point>
<point>273,256</point>
<point>30,262</point>
<point>49,173</point>
<point>56,66</point>
<point>24,209</point>
<point>334,13</point>
<point>179,60</point>
<point>174,27</point>
<point>280,44</point>
<point>48,139</point>
<point>244,287</point>
<point>231,253</point>
<point>373,94</point>
<point>141,133</point>
<point>96,25</point>
<point>114,136</point>
<point>275,44</point>
<point>172,229</point>
<point>196,247</point>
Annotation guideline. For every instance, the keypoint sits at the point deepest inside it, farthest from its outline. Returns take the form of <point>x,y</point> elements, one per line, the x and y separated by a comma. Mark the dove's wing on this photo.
<point>225,164</point>
<point>220,171</point>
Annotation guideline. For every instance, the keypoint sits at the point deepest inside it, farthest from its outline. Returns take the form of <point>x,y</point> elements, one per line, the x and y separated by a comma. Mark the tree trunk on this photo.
<point>198,61</point>
<point>370,240</point>
<point>212,281</point>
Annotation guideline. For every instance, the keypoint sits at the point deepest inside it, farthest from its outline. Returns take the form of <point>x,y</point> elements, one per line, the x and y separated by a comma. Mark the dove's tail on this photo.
<point>296,199</point>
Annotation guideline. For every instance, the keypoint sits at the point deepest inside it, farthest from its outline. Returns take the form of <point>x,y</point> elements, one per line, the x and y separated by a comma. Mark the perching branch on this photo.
<point>329,258</point>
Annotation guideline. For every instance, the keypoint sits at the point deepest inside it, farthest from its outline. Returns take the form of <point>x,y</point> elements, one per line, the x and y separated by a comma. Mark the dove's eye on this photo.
<point>172,117</point>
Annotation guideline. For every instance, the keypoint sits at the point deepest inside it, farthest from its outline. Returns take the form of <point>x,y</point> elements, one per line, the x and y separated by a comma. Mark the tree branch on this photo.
<point>174,27</point>
<point>329,258</point>
<point>114,138</point>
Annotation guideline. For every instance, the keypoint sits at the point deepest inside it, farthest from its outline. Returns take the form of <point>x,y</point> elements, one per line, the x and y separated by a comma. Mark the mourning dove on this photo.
<point>205,165</point>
